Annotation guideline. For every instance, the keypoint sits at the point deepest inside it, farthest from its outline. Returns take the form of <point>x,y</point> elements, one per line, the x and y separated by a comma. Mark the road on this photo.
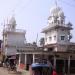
<point>4,71</point>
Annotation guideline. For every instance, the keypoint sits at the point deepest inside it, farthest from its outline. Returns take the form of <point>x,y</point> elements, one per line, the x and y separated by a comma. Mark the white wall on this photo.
<point>12,41</point>
<point>10,51</point>
<point>50,34</point>
<point>58,34</point>
<point>16,39</point>
<point>62,33</point>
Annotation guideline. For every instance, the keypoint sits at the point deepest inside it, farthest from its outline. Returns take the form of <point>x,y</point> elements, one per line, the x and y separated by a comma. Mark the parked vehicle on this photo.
<point>41,69</point>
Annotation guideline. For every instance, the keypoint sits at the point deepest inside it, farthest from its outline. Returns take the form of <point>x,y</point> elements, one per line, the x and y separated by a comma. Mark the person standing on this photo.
<point>54,72</point>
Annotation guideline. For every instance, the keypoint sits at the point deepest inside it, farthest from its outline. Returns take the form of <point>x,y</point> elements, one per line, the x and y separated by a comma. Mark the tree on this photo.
<point>34,43</point>
<point>42,41</point>
<point>69,24</point>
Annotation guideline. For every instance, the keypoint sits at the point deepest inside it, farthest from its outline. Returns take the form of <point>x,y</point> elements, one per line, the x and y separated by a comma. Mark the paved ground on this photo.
<point>4,71</point>
<point>26,72</point>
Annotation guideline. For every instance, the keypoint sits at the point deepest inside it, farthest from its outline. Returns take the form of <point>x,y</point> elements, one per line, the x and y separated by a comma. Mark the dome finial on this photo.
<point>56,3</point>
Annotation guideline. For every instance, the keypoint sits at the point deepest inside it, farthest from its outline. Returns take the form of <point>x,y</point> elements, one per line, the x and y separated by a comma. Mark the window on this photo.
<point>13,26</point>
<point>58,21</point>
<point>61,21</point>
<point>54,37</point>
<point>62,37</point>
<point>50,49</point>
<point>50,38</point>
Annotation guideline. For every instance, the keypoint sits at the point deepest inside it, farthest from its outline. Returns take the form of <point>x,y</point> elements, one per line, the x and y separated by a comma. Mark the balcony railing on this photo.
<point>14,30</point>
<point>50,26</point>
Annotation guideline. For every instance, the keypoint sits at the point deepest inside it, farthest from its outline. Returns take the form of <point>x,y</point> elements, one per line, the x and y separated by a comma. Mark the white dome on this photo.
<point>56,11</point>
<point>12,20</point>
<point>61,14</point>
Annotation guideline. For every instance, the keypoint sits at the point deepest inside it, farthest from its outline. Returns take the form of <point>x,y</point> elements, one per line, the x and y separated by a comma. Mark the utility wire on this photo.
<point>24,6</point>
<point>21,6</point>
<point>16,6</point>
<point>67,3</point>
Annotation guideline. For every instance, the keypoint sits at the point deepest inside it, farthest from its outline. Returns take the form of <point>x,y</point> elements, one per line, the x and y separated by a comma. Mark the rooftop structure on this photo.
<point>12,37</point>
<point>57,31</point>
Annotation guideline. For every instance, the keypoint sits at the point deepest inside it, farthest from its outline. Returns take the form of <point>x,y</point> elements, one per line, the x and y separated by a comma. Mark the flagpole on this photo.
<point>36,38</point>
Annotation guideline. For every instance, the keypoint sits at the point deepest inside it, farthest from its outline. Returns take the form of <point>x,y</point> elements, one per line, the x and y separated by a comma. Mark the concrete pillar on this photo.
<point>19,59</point>
<point>64,66</point>
<point>33,58</point>
<point>25,58</point>
<point>54,62</point>
<point>69,65</point>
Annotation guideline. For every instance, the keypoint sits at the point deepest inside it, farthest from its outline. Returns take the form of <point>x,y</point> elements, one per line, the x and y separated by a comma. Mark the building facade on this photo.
<point>12,38</point>
<point>57,41</point>
<point>57,49</point>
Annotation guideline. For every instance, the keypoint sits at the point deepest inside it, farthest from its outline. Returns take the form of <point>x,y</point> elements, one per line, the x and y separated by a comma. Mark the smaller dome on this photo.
<point>12,20</point>
<point>56,11</point>
<point>61,14</point>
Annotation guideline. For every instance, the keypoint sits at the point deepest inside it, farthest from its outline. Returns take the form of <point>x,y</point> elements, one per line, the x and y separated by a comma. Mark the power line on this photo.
<point>27,4</point>
<point>16,6</point>
<point>21,7</point>
<point>67,3</point>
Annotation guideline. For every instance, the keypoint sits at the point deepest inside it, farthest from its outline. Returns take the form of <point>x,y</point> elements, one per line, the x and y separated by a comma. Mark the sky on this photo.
<point>32,15</point>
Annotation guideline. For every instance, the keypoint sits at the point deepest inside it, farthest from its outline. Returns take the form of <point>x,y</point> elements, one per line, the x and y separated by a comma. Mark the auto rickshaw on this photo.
<point>41,69</point>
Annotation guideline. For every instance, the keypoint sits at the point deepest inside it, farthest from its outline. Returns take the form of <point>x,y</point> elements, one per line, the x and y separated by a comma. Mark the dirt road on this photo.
<point>4,71</point>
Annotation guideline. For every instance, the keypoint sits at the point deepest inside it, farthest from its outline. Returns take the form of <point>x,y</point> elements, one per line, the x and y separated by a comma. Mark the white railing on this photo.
<point>14,30</point>
<point>55,24</point>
